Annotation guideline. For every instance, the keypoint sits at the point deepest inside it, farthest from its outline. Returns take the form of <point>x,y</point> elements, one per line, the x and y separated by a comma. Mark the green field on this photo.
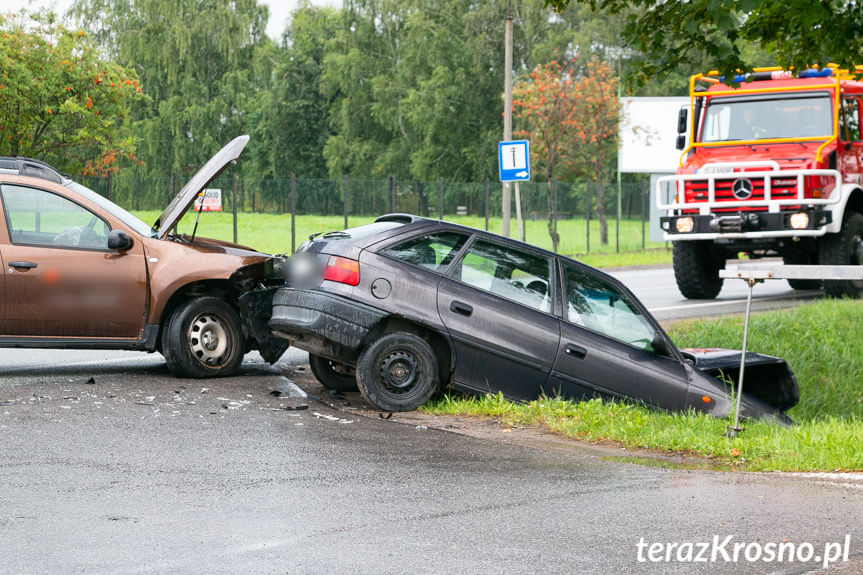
<point>821,342</point>
<point>271,233</point>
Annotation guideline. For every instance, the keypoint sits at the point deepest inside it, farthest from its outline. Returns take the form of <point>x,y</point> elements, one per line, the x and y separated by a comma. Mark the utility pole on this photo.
<point>507,111</point>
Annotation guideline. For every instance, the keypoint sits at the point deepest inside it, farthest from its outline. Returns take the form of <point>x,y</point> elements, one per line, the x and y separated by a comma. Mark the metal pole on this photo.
<point>486,204</point>
<point>587,216</point>
<point>507,112</point>
<point>234,205</point>
<point>345,198</point>
<point>645,189</point>
<point>733,431</point>
<point>392,194</point>
<point>518,222</point>
<point>617,230</point>
<point>110,183</point>
<point>440,198</point>
<point>554,212</point>
<point>293,212</point>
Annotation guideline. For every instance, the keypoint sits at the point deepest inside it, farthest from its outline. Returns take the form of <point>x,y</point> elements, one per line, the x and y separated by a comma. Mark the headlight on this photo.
<point>799,221</point>
<point>684,225</point>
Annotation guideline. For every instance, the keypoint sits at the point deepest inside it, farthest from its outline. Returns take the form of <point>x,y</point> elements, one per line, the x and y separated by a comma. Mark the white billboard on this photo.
<point>648,134</point>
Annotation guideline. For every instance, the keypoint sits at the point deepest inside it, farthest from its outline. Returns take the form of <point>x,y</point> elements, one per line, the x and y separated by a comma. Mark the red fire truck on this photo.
<point>774,167</point>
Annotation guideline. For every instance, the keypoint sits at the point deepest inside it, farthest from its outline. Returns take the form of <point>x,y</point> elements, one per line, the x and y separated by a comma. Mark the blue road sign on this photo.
<point>513,160</point>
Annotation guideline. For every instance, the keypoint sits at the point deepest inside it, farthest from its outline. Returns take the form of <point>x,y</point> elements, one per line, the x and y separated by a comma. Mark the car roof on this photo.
<point>18,166</point>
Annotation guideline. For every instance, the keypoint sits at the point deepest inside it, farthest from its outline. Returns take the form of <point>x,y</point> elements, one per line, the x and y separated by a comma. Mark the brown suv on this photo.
<point>82,272</point>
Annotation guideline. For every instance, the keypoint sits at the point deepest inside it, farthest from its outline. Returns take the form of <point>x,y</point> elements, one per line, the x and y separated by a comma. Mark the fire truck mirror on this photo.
<point>681,121</point>
<point>681,141</point>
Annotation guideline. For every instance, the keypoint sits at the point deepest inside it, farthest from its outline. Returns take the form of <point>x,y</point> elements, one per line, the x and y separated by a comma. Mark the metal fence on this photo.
<point>572,205</point>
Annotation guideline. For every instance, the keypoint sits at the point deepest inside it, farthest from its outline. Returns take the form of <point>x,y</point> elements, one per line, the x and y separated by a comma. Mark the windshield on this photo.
<point>110,206</point>
<point>762,118</point>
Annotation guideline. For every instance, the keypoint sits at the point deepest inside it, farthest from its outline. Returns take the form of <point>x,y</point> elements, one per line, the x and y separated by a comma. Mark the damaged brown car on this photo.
<point>82,272</point>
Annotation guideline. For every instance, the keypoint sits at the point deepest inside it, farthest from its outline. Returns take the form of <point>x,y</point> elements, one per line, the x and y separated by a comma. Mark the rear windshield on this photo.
<point>360,231</point>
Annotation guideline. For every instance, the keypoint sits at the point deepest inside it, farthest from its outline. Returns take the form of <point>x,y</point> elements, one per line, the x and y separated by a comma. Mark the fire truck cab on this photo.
<point>774,167</point>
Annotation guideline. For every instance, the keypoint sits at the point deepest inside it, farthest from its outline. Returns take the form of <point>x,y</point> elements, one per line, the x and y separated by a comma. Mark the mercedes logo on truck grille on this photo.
<point>742,189</point>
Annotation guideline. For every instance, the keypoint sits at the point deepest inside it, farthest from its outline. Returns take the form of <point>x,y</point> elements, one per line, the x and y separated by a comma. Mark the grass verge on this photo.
<point>821,343</point>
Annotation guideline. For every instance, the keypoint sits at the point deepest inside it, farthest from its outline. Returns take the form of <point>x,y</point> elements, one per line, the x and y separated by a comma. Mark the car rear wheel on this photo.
<point>844,249</point>
<point>332,374</point>
<point>398,372</point>
<point>203,338</point>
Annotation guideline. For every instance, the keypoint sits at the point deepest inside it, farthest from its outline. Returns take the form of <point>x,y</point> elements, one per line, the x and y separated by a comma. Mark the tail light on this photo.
<point>342,270</point>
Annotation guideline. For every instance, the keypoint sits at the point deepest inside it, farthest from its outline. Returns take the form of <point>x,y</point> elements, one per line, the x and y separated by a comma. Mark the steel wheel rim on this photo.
<point>208,340</point>
<point>399,372</point>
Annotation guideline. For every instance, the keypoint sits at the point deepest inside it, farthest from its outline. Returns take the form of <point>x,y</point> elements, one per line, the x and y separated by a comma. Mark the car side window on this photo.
<point>433,252</point>
<point>508,272</point>
<point>849,120</point>
<point>598,305</point>
<point>37,217</point>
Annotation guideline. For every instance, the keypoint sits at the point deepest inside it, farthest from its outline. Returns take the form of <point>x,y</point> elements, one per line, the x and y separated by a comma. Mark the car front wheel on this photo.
<point>398,372</point>
<point>203,338</point>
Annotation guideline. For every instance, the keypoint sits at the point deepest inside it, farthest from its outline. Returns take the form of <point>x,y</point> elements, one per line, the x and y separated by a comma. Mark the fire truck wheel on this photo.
<point>844,249</point>
<point>802,260</point>
<point>696,269</point>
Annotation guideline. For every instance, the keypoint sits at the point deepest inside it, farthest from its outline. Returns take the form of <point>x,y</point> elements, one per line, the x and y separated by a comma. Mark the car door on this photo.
<point>497,305</point>
<point>60,278</point>
<point>850,147</point>
<point>606,345</point>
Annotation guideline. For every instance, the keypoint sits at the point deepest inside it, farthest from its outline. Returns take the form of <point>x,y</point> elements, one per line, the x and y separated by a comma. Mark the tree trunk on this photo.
<point>555,237</point>
<point>600,212</point>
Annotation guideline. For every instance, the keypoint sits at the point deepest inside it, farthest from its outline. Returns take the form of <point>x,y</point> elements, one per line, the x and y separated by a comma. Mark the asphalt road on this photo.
<point>138,472</point>
<point>657,289</point>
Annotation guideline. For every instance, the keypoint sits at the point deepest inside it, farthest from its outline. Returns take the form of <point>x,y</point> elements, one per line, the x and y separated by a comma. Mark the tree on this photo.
<point>676,34</point>
<point>596,125</point>
<point>195,59</point>
<point>60,101</point>
<point>545,102</point>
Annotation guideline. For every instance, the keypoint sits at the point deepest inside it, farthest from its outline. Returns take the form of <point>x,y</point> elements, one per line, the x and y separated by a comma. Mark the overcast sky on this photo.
<point>279,9</point>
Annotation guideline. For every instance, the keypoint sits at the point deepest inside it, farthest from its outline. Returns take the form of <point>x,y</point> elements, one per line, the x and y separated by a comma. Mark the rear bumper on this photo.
<point>322,323</point>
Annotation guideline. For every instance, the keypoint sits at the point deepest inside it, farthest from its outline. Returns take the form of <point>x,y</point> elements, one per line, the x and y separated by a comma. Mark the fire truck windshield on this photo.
<point>765,117</point>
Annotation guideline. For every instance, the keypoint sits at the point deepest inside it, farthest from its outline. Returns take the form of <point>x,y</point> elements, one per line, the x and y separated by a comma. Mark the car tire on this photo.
<point>333,375</point>
<point>398,372</point>
<point>203,338</point>
<point>844,249</point>
<point>696,269</point>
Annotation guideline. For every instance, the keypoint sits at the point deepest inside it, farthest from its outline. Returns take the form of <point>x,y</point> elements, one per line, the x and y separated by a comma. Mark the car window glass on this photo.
<point>508,272</point>
<point>849,120</point>
<point>434,251</point>
<point>599,305</point>
<point>37,217</point>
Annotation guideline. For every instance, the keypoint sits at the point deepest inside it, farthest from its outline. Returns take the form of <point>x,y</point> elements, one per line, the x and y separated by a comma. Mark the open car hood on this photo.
<point>185,197</point>
<point>766,378</point>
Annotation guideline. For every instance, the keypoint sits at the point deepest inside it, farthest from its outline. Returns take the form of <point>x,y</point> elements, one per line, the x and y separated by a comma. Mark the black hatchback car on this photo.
<point>407,305</point>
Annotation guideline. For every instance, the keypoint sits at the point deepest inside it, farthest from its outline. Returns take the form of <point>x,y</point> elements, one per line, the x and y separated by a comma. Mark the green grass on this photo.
<point>821,342</point>
<point>271,233</point>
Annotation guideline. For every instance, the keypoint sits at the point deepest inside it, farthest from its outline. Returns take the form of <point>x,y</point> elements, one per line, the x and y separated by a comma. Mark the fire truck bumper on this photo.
<point>808,222</point>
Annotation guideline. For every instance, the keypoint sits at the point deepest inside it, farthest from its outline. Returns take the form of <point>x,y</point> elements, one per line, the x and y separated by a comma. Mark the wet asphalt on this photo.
<point>139,472</point>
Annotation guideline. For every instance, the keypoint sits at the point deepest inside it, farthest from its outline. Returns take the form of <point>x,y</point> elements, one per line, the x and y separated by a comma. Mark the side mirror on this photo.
<point>681,141</point>
<point>118,240</point>
<point>660,345</point>
<point>682,116</point>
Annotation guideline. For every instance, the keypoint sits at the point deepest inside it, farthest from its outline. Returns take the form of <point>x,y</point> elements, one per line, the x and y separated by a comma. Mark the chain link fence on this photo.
<point>573,206</point>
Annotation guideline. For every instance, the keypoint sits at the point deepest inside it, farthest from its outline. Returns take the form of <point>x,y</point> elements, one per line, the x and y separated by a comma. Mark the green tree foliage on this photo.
<point>195,59</point>
<point>289,117</point>
<point>417,86</point>
<point>60,101</point>
<point>678,34</point>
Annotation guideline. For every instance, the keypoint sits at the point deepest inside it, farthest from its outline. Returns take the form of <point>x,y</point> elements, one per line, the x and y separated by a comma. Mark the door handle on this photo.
<point>22,265</point>
<point>461,308</point>
<point>575,350</point>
